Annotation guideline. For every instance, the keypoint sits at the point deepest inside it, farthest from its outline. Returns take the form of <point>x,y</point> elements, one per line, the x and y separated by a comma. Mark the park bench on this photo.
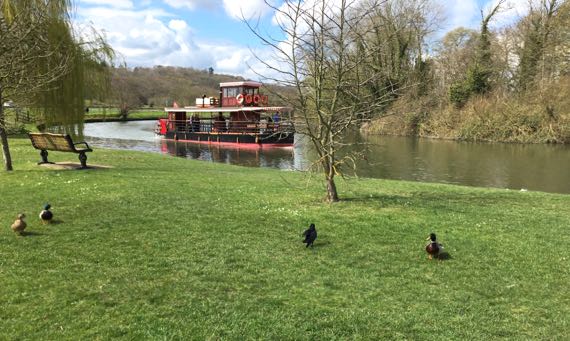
<point>60,143</point>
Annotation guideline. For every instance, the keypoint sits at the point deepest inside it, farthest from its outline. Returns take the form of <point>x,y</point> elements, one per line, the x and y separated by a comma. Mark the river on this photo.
<point>513,166</point>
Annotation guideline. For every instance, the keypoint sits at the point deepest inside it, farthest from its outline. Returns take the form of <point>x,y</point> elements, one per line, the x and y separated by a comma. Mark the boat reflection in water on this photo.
<point>281,157</point>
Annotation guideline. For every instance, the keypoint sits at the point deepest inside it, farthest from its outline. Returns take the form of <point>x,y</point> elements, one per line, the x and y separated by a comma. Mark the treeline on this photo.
<point>510,84</point>
<point>160,86</point>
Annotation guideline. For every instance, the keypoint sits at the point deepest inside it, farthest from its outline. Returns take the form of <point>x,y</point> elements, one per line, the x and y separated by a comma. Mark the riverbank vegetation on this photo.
<point>537,117</point>
<point>206,250</point>
<point>498,83</point>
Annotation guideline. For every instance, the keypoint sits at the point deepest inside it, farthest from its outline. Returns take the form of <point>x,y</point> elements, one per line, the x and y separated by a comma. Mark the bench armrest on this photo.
<point>85,143</point>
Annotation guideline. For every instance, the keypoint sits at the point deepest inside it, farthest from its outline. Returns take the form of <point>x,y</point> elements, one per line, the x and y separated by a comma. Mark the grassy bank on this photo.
<point>159,247</point>
<point>113,114</point>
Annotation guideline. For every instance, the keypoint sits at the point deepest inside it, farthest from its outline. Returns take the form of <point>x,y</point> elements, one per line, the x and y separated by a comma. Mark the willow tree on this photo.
<point>45,67</point>
<point>320,58</point>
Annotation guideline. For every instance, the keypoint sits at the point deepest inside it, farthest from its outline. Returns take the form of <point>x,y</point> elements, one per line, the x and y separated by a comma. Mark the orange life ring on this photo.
<point>239,98</point>
<point>256,99</point>
<point>264,99</point>
<point>248,99</point>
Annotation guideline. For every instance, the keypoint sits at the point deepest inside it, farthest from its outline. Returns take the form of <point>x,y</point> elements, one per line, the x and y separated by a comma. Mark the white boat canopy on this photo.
<point>228,109</point>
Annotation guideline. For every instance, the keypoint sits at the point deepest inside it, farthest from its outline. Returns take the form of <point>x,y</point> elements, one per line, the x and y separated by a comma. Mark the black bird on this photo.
<point>433,248</point>
<point>310,235</point>
<point>46,215</point>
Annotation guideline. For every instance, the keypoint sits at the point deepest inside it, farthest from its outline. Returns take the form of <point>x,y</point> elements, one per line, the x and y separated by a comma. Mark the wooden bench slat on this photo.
<point>60,143</point>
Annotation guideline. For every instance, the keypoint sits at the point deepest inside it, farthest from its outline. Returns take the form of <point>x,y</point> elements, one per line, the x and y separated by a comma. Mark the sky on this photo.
<point>210,33</point>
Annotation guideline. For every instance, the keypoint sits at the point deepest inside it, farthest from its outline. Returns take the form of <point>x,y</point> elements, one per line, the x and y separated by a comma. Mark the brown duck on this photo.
<point>19,225</point>
<point>433,248</point>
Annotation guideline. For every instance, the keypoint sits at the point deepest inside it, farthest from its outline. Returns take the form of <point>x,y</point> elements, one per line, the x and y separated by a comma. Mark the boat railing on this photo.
<point>227,126</point>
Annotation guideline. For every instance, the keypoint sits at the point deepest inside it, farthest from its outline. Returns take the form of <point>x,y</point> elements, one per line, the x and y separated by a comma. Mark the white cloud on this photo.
<point>192,4</point>
<point>177,25</point>
<point>155,37</point>
<point>246,9</point>
<point>509,12</point>
<point>465,13</point>
<point>139,36</point>
<point>111,3</point>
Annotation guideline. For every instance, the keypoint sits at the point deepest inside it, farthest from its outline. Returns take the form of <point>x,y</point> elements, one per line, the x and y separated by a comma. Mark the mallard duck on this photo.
<point>46,215</point>
<point>433,248</point>
<point>19,225</point>
<point>310,235</point>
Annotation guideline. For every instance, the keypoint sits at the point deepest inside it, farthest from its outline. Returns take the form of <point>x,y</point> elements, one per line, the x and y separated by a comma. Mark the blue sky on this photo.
<point>204,33</point>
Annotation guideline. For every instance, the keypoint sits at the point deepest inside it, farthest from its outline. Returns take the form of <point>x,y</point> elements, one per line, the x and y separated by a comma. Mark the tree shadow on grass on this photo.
<point>379,198</point>
<point>431,199</point>
<point>30,234</point>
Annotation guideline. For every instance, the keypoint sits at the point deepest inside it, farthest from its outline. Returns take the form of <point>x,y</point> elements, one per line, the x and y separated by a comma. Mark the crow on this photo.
<point>310,235</point>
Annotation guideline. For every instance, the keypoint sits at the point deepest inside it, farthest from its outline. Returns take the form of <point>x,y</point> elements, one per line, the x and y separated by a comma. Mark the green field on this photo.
<point>158,247</point>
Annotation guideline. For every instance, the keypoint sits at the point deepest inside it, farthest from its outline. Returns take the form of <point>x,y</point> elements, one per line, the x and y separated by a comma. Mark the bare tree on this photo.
<point>321,59</point>
<point>538,37</point>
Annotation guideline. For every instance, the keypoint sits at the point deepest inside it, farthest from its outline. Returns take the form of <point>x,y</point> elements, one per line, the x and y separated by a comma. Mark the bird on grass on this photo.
<point>46,215</point>
<point>310,235</point>
<point>19,225</point>
<point>433,247</point>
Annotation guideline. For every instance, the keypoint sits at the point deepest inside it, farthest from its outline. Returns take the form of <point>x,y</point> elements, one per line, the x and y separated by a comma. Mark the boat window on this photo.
<point>250,91</point>
<point>231,92</point>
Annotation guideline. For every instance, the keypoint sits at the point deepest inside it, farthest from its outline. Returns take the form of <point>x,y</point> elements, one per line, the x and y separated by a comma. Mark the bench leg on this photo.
<point>44,155</point>
<point>83,160</point>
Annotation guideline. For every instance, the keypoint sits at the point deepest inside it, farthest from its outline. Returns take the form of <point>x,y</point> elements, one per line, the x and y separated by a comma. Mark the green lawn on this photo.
<point>168,248</point>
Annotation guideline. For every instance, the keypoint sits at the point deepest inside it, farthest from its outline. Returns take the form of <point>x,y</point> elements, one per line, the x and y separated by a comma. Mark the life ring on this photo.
<point>256,99</point>
<point>239,98</point>
<point>248,99</point>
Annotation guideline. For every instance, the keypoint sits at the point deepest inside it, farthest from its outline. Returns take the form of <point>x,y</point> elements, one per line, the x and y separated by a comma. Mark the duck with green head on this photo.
<point>433,247</point>
<point>46,215</point>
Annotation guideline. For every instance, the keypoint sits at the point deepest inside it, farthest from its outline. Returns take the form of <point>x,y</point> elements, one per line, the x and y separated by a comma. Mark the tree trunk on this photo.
<point>4,137</point>
<point>332,195</point>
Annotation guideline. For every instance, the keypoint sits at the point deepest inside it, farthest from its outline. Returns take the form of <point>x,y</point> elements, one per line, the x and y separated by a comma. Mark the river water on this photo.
<point>514,166</point>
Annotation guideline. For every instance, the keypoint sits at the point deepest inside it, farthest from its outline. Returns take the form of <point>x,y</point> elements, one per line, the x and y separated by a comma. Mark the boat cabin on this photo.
<point>240,94</point>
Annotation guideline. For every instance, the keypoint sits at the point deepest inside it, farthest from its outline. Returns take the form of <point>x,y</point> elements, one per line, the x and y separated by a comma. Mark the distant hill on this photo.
<point>160,86</point>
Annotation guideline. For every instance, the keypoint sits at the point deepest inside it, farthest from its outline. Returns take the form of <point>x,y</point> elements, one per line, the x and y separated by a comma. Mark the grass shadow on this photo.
<point>443,256</point>
<point>319,245</point>
<point>382,198</point>
<point>30,234</point>
<point>436,199</point>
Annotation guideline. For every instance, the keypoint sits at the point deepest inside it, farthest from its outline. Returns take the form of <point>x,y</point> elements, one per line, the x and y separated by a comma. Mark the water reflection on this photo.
<point>281,158</point>
<point>533,167</point>
<point>515,166</point>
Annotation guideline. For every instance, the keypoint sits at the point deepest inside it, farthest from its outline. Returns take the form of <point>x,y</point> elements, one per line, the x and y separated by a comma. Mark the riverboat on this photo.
<point>240,115</point>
